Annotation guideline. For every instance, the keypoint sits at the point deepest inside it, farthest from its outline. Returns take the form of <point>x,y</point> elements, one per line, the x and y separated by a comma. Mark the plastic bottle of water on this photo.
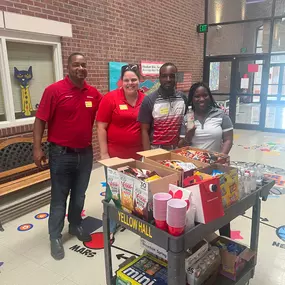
<point>190,118</point>
<point>253,180</point>
<point>259,175</point>
<point>247,183</point>
<point>241,186</point>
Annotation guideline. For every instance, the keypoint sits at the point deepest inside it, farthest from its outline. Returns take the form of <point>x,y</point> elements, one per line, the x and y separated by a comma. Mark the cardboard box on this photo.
<point>222,158</point>
<point>228,182</point>
<point>154,157</point>
<point>144,270</point>
<point>232,264</point>
<point>154,249</point>
<point>132,194</point>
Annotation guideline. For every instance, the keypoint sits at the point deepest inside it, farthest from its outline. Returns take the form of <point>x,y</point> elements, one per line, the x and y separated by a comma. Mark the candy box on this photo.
<point>146,269</point>
<point>132,194</point>
<point>202,155</point>
<point>228,182</point>
<point>158,156</point>
<point>235,256</point>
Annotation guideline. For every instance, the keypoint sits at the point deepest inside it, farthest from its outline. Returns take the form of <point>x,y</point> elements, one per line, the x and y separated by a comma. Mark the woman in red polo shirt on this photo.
<point>119,132</point>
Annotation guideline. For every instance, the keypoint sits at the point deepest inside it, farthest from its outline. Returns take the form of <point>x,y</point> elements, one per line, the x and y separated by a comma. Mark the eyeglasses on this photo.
<point>130,67</point>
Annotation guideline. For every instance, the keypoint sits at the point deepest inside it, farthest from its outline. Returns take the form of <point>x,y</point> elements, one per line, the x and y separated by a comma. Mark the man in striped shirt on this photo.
<point>161,113</point>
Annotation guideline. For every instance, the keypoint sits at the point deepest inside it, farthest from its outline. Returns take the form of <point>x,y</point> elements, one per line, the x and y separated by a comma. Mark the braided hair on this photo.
<point>192,91</point>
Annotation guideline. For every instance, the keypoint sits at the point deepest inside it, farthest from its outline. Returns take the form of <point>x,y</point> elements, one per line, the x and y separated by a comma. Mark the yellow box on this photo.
<point>146,269</point>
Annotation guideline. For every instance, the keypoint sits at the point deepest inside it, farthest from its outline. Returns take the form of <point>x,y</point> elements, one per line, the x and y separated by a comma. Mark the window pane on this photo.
<point>280,7</point>
<point>272,89</point>
<point>235,10</point>
<point>237,38</point>
<point>31,70</point>
<point>247,112</point>
<point>274,75</point>
<point>223,101</point>
<point>220,77</point>
<point>278,42</point>
<point>283,89</point>
<point>2,107</point>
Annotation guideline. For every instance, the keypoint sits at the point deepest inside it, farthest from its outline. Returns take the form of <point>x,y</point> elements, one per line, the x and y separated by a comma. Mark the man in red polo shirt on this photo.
<point>69,108</point>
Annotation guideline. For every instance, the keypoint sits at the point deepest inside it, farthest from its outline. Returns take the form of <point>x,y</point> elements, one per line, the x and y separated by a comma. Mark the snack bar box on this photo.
<point>228,182</point>
<point>132,194</point>
<point>221,158</point>
<point>232,264</point>
<point>144,270</point>
<point>154,157</point>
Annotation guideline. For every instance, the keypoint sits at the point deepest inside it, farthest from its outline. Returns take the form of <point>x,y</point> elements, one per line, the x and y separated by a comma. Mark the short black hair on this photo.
<point>192,91</point>
<point>69,60</point>
<point>167,64</point>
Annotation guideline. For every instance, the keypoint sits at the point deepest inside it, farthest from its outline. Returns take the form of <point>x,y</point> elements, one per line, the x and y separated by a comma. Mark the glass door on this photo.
<point>218,75</point>
<point>238,85</point>
<point>249,93</point>
<point>275,103</point>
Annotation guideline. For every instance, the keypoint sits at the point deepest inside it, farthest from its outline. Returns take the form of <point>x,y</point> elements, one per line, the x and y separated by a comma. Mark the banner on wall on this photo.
<point>150,68</point>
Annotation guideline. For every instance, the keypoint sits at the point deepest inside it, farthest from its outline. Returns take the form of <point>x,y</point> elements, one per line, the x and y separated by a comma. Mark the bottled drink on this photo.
<point>253,180</point>
<point>190,118</point>
<point>247,183</point>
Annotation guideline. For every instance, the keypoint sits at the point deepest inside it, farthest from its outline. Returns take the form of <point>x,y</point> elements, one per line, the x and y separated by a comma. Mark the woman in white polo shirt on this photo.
<point>213,129</point>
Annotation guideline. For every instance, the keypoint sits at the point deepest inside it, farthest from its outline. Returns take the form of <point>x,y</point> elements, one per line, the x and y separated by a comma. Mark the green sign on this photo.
<point>243,50</point>
<point>202,28</point>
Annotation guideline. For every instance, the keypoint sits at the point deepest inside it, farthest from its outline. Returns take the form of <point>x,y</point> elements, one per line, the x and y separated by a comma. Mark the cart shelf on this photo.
<point>176,246</point>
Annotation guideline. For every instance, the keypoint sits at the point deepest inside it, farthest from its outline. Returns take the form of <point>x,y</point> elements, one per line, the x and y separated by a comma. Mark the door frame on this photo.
<point>235,59</point>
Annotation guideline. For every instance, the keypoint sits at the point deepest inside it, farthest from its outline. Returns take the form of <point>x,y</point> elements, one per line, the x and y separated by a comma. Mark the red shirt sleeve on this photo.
<point>47,104</point>
<point>106,109</point>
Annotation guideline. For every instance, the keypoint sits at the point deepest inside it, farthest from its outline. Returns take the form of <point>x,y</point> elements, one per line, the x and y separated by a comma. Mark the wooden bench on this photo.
<point>17,169</point>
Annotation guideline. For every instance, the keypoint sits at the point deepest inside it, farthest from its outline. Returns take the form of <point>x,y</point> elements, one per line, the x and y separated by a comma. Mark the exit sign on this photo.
<point>202,28</point>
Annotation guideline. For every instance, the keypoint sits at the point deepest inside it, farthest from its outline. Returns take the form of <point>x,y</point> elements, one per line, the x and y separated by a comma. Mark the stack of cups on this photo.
<point>176,216</point>
<point>160,209</point>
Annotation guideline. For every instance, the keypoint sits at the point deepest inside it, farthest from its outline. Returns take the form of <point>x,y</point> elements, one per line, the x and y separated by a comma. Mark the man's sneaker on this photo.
<point>79,233</point>
<point>56,249</point>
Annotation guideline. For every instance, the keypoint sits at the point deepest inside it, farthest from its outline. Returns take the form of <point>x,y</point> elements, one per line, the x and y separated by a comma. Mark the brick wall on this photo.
<point>131,31</point>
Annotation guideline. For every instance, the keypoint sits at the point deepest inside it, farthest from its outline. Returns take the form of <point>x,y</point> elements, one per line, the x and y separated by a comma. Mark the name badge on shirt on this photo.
<point>164,111</point>
<point>123,107</point>
<point>88,104</point>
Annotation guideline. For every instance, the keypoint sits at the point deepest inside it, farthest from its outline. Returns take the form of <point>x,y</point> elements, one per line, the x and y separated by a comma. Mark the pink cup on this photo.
<point>176,213</point>
<point>160,205</point>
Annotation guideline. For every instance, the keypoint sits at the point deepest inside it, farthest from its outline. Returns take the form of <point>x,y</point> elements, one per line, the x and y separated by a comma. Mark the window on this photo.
<point>278,42</point>
<point>29,60</point>
<point>2,105</point>
<point>237,38</point>
<point>237,10</point>
<point>28,66</point>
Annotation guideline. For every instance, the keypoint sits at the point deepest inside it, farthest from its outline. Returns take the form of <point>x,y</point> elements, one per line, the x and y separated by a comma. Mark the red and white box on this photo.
<point>207,197</point>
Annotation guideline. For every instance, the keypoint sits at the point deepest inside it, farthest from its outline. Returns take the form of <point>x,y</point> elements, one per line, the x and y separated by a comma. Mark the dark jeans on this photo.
<point>225,231</point>
<point>70,172</point>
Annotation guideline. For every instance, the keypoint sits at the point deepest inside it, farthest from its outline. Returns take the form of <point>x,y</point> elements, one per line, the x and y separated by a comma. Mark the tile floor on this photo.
<point>26,254</point>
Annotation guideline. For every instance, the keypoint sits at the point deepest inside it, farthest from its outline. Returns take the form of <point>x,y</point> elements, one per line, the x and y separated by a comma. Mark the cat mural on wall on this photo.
<point>24,77</point>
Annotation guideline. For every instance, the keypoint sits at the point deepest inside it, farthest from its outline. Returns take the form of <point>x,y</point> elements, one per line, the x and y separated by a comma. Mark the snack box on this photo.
<point>228,182</point>
<point>233,264</point>
<point>130,193</point>
<point>146,269</point>
<point>214,157</point>
<point>155,156</point>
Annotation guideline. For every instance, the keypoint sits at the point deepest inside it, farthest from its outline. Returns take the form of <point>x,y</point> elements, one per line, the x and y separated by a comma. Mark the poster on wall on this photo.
<point>146,85</point>
<point>150,68</point>
<point>214,76</point>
